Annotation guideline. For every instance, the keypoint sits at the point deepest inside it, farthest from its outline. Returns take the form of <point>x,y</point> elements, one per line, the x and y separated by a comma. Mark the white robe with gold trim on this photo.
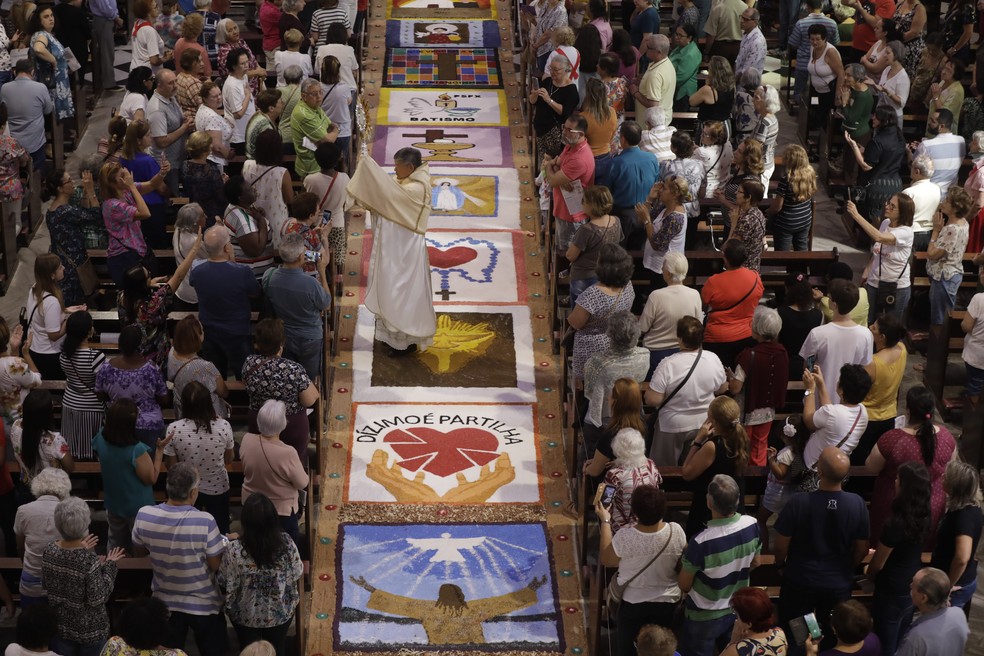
<point>399,291</point>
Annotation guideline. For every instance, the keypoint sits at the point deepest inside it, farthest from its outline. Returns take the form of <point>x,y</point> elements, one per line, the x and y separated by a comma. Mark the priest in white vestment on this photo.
<point>400,292</point>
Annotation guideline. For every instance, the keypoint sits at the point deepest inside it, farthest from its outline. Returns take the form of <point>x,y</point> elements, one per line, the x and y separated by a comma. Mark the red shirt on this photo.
<point>270,26</point>
<point>864,34</point>
<point>577,163</point>
<point>727,322</point>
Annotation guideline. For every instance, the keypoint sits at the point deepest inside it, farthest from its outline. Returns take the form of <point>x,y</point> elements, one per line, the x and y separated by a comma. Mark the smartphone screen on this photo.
<point>812,626</point>
<point>810,362</point>
<point>608,495</point>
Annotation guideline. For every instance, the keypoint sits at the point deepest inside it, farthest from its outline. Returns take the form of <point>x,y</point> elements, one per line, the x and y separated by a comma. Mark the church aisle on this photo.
<point>441,524</point>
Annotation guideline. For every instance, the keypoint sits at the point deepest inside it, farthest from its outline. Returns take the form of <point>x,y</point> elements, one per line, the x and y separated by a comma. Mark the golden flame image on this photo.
<point>456,343</point>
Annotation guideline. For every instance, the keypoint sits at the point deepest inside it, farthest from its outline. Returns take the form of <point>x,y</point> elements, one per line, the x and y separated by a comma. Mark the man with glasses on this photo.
<point>310,126</point>
<point>569,174</point>
<point>658,84</point>
<point>751,52</point>
<point>723,30</point>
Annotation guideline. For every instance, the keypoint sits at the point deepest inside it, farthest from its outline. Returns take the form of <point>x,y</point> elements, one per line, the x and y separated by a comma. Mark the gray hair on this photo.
<point>188,217</point>
<point>660,43</point>
<point>629,448</point>
<point>724,495</point>
<point>857,71</point>
<point>409,156</point>
<point>72,518</point>
<point>766,322</point>
<point>222,31</point>
<point>292,6</point>
<point>292,248</point>
<point>772,104</point>
<point>676,265</point>
<point>309,83</point>
<point>182,478</point>
<point>272,417</point>
<point>977,140</point>
<point>935,584</point>
<point>751,79</point>
<point>923,165</point>
<point>897,49</point>
<point>623,331</point>
<point>755,15</point>
<point>655,118</point>
<point>564,62</point>
<point>203,4</point>
<point>93,164</point>
<point>293,74</point>
<point>51,481</point>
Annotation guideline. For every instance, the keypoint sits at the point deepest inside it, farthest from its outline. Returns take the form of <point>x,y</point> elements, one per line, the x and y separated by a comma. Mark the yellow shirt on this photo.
<point>859,314</point>
<point>882,399</point>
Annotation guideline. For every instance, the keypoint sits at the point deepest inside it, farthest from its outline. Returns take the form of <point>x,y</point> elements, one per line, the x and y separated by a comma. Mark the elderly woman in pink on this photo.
<point>227,38</point>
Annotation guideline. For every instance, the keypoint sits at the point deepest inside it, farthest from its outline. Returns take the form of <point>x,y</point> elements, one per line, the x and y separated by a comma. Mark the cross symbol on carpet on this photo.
<point>445,294</point>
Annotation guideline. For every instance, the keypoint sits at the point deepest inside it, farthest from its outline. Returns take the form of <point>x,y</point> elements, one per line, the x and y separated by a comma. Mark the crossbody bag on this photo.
<point>810,482</point>
<point>616,590</point>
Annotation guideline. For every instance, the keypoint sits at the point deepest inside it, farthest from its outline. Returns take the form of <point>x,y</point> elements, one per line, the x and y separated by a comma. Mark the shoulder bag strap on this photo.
<point>655,558</point>
<point>682,382</point>
<point>36,306</point>
<point>260,176</point>
<point>270,466</point>
<point>328,191</point>
<point>175,377</point>
<point>853,426</point>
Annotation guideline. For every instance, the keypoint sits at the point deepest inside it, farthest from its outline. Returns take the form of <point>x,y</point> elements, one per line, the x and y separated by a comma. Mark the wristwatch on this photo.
<point>807,393</point>
<point>606,521</point>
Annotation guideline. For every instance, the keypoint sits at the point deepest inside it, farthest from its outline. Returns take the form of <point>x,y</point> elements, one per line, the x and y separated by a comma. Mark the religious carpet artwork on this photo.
<point>473,200</point>
<point>449,34</point>
<point>475,267</point>
<point>437,587</point>
<point>475,68</point>
<point>441,9</point>
<point>419,453</point>
<point>445,146</point>
<point>480,354</point>
<point>442,107</point>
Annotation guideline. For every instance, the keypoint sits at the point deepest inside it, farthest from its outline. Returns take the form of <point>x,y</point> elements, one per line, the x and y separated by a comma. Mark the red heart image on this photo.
<point>451,257</point>
<point>440,453</point>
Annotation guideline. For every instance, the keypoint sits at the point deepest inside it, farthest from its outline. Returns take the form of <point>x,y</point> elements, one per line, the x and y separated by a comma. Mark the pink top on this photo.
<point>898,447</point>
<point>274,469</point>
<point>270,25</point>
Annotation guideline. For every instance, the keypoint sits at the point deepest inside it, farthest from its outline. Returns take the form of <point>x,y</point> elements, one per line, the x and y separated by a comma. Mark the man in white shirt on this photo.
<point>946,149</point>
<point>683,396</point>
<point>839,342</point>
<point>926,196</point>
<point>658,84</point>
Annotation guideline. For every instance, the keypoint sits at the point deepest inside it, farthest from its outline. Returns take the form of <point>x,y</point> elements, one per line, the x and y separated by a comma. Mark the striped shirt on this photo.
<point>80,377</point>
<point>795,214</point>
<point>323,18</point>
<point>240,223</point>
<point>947,152</point>
<point>180,539</point>
<point>721,557</point>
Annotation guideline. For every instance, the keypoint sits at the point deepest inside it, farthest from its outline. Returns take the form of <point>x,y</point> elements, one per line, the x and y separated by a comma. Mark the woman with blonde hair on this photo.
<point>602,123</point>
<point>720,447</point>
<point>959,531</point>
<point>791,211</point>
<point>664,219</point>
<point>749,162</point>
<point>626,413</point>
<point>191,30</point>
<point>151,178</point>
<point>716,154</point>
<point>601,228</point>
<point>715,99</point>
<point>630,469</point>
<point>47,315</point>
<point>203,181</point>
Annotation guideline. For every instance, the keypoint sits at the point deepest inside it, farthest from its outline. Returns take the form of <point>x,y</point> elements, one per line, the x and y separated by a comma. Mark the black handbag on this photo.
<point>887,291</point>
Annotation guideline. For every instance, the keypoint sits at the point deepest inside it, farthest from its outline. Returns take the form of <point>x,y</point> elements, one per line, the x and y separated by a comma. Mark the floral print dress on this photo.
<point>10,182</point>
<point>61,95</point>
<point>914,47</point>
<point>65,224</point>
<point>260,597</point>
<point>591,338</point>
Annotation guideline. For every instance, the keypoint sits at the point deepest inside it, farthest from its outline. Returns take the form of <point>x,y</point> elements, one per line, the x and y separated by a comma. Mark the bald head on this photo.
<point>833,465</point>
<point>166,83</point>
<point>215,241</point>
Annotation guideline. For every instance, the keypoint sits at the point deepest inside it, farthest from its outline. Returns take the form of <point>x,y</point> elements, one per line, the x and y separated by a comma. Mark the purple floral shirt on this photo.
<point>124,229</point>
<point>142,386</point>
<point>10,182</point>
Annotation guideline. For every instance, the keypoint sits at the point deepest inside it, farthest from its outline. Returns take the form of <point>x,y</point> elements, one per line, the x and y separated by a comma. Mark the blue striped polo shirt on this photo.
<point>180,539</point>
<point>720,556</point>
